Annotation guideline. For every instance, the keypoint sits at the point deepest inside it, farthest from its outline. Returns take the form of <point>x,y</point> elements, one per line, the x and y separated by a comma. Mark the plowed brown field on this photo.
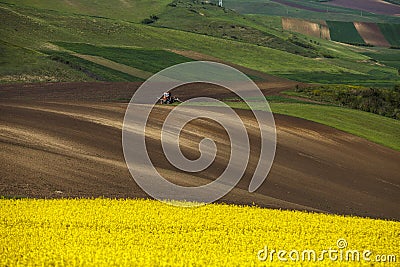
<point>371,34</point>
<point>72,148</point>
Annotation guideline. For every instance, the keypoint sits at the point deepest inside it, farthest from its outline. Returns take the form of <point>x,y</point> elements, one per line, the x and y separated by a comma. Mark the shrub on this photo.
<point>380,101</point>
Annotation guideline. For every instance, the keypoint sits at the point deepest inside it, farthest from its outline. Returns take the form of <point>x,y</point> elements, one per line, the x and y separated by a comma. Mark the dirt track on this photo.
<point>71,149</point>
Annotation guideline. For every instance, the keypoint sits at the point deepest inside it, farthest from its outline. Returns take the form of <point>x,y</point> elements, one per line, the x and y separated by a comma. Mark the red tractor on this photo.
<point>167,98</point>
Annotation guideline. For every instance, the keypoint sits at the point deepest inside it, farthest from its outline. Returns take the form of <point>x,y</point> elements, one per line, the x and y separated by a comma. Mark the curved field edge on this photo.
<point>375,128</point>
<point>104,232</point>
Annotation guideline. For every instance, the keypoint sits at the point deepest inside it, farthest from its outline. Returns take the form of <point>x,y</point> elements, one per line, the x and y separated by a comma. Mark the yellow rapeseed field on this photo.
<point>105,232</point>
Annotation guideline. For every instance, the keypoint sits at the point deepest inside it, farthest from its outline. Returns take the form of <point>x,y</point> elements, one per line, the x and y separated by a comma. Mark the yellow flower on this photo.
<point>106,232</point>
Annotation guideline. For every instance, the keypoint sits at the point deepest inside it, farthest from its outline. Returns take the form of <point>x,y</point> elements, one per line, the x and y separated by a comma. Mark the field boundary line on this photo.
<point>115,65</point>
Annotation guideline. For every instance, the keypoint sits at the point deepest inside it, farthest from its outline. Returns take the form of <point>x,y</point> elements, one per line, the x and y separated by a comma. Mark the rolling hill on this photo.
<point>204,28</point>
<point>54,147</point>
<point>128,10</point>
<point>357,33</point>
<point>337,10</point>
<point>374,6</point>
<point>68,69</point>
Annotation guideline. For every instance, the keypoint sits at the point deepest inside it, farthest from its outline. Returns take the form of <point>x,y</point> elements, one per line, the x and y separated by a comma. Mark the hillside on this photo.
<point>337,10</point>
<point>54,147</point>
<point>359,22</point>
<point>259,44</point>
<point>128,10</point>
<point>357,33</point>
<point>390,7</point>
<point>70,194</point>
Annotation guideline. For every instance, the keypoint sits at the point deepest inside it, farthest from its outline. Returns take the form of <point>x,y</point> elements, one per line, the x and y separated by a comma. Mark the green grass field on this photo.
<point>389,57</point>
<point>35,29</point>
<point>223,23</point>
<point>375,128</point>
<point>18,64</point>
<point>367,74</point>
<point>247,55</point>
<point>344,32</point>
<point>91,69</point>
<point>129,10</point>
<point>391,33</point>
<point>151,60</point>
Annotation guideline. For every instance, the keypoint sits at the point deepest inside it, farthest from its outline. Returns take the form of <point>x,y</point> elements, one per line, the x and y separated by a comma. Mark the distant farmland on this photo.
<point>360,33</point>
<point>371,34</point>
<point>376,6</point>
<point>391,33</point>
<point>315,29</point>
<point>344,32</point>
